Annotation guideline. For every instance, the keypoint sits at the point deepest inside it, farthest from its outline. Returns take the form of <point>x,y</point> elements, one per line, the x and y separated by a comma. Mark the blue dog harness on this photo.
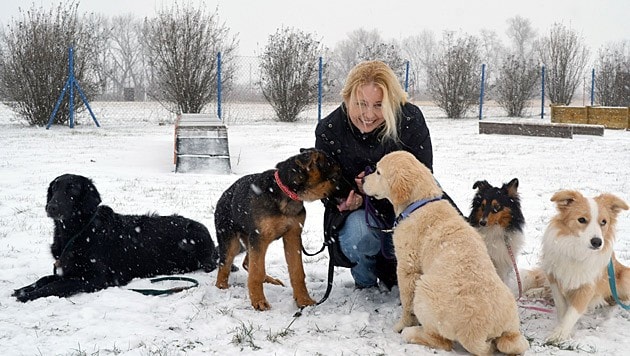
<point>413,207</point>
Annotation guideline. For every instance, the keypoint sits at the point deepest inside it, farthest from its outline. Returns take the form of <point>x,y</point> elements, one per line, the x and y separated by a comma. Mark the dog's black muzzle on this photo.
<point>596,243</point>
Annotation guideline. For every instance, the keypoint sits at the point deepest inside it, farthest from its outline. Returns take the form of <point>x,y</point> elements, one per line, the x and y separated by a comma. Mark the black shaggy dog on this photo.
<point>95,248</point>
<point>260,208</point>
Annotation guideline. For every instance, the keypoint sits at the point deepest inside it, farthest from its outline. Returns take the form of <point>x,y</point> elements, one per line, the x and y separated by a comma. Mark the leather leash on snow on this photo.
<point>331,270</point>
<point>173,290</point>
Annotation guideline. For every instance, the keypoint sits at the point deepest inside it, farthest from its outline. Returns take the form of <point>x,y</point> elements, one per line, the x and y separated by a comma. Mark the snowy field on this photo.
<point>130,159</point>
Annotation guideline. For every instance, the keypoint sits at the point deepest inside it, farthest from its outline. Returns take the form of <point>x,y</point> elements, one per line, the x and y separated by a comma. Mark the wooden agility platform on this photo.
<point>201,144</point>
<point>539,129</point>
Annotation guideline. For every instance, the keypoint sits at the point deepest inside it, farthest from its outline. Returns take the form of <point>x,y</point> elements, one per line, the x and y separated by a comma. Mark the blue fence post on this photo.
<point>407,77</point>
<point>319,89</point>
<point>483,80</point>
<point>69,86</point>
<point>71,80</point>
<point>219,86</point>
<point>542,98</point>
<point>592,86</point>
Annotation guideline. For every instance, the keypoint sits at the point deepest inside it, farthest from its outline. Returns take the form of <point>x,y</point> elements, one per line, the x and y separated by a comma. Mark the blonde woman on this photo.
<point>374,119</point>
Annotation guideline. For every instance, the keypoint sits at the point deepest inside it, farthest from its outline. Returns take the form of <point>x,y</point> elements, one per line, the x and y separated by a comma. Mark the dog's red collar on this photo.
<point>291,194</point>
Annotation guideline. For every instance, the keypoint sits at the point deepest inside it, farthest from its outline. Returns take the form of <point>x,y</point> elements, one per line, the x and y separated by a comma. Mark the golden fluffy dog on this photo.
<point>445,275</point>
<point>577,248</point>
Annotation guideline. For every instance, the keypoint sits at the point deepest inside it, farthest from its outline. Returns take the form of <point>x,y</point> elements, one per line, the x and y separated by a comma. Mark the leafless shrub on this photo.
<point>34,61</point>
<point>612,79</point>
<point>515,84</point>
<point>453,74</point>
<point>564,55</point>
<point>182,44</point>
<point>289,72</point>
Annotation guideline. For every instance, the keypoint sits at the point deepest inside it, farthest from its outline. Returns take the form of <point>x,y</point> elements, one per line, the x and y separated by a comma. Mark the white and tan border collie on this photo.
<point>576,249</point>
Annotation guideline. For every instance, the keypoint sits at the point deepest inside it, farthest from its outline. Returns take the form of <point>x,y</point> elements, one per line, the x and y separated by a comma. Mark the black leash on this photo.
<point>331,274</point>
<point>71,241</point>
<point>173,290</point>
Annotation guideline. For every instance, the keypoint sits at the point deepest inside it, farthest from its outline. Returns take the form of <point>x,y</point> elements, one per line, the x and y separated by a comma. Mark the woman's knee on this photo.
<point>357,240</point>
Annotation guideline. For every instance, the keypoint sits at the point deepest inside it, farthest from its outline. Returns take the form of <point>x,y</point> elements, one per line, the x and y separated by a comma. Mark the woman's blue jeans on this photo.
<point>361,243</point>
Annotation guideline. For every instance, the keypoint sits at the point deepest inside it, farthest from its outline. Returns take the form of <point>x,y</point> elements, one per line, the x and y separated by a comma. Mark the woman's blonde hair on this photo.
<point>383,77</point>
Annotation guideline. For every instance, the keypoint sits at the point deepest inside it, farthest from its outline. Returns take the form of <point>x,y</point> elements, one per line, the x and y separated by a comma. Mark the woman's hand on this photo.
<point>353,202</point>
<point>359,181</point>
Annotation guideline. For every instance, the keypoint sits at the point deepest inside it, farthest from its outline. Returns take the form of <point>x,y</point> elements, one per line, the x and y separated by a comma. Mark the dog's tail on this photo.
<point>512,343</point>
<point>533,279</point>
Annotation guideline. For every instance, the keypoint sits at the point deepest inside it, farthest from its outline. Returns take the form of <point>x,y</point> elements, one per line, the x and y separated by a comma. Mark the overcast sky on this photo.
<point>599,22</point>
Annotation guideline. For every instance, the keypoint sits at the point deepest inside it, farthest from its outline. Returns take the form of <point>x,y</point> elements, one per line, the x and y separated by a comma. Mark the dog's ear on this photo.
<point>306,159</point>
<point>511,188</point>
<point>91,196</point>
<point>566,198</point>
<point>399,189</point>
<point>613,203</point>
<point>481,185</point>
<point>49,194</point>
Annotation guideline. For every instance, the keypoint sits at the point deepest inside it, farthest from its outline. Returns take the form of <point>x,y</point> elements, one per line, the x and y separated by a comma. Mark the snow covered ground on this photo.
<point>130,159</point>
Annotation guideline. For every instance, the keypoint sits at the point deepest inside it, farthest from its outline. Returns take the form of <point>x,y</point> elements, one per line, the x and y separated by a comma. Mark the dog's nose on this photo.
<point>52,208</point>
<point>483,222</point>
<point>596,243</point>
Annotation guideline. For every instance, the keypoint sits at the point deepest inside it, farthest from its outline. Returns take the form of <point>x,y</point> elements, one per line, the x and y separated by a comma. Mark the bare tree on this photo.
<point>289,72</point>
<point>362,45</point>
<point>34,60</point>
<point>492,51</point>
<point>518,73</point>
<point>346,54</point>
<point>612,79</point>
<point>564,55</point>
<point>417,49</point>
<point>124,60</point>
<point>522,36</point>
<point>181,45</point>
<point>453,74</point>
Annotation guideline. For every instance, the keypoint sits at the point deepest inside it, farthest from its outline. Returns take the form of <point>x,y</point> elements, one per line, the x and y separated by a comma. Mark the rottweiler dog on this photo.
<point>260,208</point>
<point>95,248</point>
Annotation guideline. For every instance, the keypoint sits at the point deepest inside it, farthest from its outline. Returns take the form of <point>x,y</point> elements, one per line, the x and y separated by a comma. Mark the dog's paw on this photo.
<point>222,285</point>
<point>558,337</point>
<point>410,334</point>
<point>261,304</point>
<point>21,295</point>
<point>304,301</point>
<point>543,293</point>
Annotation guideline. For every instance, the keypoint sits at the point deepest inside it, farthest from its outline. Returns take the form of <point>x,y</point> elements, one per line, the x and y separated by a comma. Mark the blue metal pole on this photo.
<point>407,78</point>
<point>219,85</point>
<point>542,99</point>
<point>85,101</point>
<point>593,87</point>
<point>483,80</point>
<point>319,89</point>
<point>71,89</point>
<point>58,103</point>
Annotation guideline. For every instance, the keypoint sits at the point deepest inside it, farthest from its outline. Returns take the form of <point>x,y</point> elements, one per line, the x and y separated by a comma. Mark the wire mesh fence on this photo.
<point>242,100</point>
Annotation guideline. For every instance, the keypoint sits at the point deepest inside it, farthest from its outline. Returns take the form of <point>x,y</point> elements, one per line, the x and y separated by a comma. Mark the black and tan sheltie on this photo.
<point>497,216</point>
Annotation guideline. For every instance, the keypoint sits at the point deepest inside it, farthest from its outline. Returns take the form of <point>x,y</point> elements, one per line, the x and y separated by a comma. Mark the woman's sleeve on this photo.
<point>416,137</point>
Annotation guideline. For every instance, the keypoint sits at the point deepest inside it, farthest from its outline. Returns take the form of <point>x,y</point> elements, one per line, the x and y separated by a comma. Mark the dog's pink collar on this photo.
<point>291,194</point>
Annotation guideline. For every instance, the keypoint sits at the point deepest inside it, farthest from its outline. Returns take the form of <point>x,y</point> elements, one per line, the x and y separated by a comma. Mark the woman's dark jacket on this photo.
<point>341,140</point>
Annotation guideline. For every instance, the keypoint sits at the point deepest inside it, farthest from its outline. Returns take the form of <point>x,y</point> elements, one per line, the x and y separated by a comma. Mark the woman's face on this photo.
<point>366,113</point>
